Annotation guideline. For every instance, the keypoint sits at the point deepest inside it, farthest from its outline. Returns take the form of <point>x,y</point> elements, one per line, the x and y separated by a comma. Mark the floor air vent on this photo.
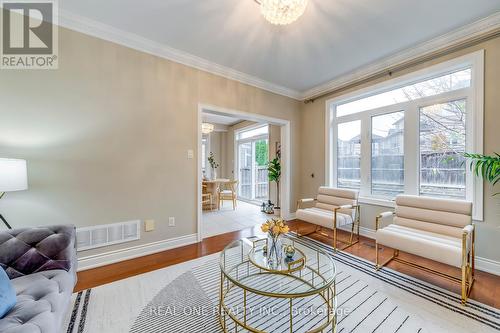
<point>104,235</point>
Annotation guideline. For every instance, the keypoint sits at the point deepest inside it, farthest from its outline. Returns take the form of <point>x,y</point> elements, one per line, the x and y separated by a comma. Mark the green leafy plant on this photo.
<point>485,166</point>
<point>261,152</point>
<point>211,159</point>
<point>274,175</point>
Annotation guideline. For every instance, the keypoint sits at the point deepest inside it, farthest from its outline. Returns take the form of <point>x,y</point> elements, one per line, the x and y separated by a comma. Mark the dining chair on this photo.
<point>206,197</point>
<point>227,192</point>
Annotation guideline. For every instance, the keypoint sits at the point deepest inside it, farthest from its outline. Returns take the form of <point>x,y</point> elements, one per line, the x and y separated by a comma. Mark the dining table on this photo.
<point>212,186</point>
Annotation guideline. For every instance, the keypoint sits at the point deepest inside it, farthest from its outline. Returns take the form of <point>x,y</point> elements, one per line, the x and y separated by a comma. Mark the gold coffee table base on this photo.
<point>241,293</point>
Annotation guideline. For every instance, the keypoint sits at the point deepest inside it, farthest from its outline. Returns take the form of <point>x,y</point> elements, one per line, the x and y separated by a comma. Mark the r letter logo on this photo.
<point>29,35</point>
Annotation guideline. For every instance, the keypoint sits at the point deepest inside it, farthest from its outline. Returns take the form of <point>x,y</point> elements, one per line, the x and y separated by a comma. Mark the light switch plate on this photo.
<point>190,154</point>
<point>171,221</point>
<point>149,225</point>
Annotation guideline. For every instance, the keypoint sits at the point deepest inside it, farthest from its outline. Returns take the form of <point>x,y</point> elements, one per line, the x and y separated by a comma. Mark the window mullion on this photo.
<point>365,162</point>
<point>412,150</point>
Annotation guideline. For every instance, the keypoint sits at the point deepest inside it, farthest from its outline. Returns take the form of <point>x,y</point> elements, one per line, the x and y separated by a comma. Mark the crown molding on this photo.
<point>453,38</point>
<point>103,31</point>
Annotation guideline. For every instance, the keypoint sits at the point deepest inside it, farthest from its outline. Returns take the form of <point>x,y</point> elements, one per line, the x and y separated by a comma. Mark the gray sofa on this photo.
<point>41,263</point>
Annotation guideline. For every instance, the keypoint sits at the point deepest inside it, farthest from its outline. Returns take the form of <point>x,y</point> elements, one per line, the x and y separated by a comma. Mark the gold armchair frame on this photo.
<point>318,229</point>
<point>466,280</point>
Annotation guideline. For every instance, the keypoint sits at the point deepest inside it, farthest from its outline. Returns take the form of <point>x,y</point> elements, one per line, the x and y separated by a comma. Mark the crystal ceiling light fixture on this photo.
<point>282,12</point>
<point>207,128</point>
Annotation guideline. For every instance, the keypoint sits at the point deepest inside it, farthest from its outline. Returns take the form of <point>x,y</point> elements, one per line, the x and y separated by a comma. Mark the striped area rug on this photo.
<point>184,298</point>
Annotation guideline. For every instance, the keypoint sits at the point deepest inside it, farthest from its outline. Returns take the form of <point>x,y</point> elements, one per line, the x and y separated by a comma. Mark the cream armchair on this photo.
<point>436,229</point>
<point>332,208</point>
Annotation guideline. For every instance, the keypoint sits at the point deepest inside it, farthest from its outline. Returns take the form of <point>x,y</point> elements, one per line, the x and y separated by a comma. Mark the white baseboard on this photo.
<point>482,264</point>
<point>488,265</point>
<point>363,231</point>
<point>112,257</point>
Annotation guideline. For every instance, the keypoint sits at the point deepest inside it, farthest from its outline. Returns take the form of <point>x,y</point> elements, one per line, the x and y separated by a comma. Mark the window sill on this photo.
<point>377,202</point>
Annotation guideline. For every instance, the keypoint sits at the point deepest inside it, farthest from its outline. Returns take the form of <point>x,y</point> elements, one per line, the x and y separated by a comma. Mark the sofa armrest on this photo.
<point>382,216</point>
<point>468,237</point>
<point>30,250</point>
<point>301,201</point>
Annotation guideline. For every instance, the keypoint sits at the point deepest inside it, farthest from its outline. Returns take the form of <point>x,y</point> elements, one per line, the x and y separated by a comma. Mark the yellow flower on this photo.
<point>275,227</point>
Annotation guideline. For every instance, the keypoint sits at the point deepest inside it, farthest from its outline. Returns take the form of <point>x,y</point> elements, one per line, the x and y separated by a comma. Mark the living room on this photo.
<point>387,144</point>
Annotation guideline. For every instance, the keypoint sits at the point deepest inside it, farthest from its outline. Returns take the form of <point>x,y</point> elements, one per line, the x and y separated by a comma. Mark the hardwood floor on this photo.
<point>486,287</point>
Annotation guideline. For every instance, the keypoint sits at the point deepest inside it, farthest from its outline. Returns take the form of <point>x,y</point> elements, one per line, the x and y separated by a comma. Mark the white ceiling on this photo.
<point>333,38</point>
<point>219,119</point>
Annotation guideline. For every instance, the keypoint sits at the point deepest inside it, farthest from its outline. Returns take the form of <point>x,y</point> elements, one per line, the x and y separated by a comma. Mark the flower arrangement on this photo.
<point>275,228</point>
<point>213,164</point>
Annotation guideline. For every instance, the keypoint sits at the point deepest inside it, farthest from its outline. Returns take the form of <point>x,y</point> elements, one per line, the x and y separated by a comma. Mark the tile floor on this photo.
<point>227,220</point>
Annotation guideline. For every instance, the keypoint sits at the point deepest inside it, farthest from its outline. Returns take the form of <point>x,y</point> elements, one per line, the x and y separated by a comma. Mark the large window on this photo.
<point>408,135</point>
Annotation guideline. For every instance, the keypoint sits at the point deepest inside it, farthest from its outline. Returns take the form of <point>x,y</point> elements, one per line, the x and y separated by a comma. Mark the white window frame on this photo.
<point>208,169</point>
<point>237,143</point>
<point>474,127</point>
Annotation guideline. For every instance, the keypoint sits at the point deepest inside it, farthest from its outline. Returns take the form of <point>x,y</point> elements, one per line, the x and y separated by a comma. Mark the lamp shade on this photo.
<point>13,175</point>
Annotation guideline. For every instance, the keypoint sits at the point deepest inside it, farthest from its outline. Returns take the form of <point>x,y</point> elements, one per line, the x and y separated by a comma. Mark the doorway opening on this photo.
<point>234,150</point>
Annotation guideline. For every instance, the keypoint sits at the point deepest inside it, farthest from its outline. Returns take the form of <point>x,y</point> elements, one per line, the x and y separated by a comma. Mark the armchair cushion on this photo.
<point>446,205</point>
<point>429,227</point>
<point>431,245</point>
<point>323,217</point>
<point>330,198</point>
<point>454,213</point>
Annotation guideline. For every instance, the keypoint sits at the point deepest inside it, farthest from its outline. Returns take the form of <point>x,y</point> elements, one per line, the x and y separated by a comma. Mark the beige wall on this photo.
<point>313,148</point>
<point>106,136</point>
<point>218,147</point>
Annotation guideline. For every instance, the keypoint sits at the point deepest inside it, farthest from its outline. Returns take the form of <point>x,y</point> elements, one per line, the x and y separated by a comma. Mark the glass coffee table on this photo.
<point>296,296</point>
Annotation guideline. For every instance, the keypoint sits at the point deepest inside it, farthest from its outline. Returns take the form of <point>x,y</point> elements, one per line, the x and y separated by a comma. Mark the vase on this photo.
<point>274,251</point>
<point>214,174</point>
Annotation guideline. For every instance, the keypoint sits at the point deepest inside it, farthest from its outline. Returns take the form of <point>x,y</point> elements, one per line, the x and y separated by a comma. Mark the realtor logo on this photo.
<point>29,34</point>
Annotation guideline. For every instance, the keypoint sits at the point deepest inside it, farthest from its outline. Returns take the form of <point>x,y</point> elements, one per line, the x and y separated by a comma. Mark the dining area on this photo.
<point>223,211</point>
<point>215,192</point>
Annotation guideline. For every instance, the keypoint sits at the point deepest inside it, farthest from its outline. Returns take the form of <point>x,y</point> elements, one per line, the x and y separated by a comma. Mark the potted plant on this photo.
<point>485,166</point>
<point>274,175</point>
<point>213,164</point>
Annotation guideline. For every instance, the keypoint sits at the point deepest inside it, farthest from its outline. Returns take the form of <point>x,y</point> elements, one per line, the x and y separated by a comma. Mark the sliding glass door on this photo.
<point>253,156</point>
<point>245,171</point>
